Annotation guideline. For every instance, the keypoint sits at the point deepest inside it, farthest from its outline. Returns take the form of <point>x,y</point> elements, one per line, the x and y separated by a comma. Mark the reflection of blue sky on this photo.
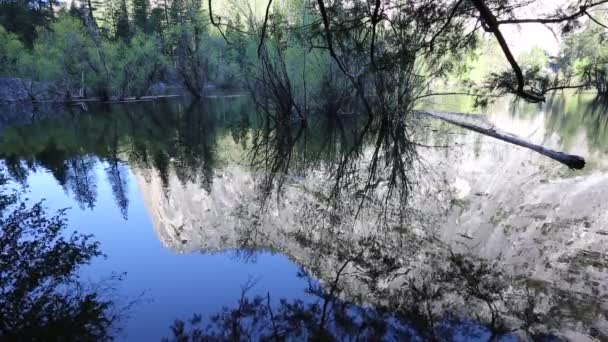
<point>174,286</point>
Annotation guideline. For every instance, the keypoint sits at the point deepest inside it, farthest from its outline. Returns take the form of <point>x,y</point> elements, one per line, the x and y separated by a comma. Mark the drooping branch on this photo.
<point>595,20</point>
<point>582,11</point>
<point>328,37</point>
<point>375,21</point>
<point>491,25</point>
<point>264,25</point>
<point>445,25</point>
<point>216,24</point>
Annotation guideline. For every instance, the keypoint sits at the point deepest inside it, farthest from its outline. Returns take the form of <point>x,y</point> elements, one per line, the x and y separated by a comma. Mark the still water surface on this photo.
<point>169,191</point>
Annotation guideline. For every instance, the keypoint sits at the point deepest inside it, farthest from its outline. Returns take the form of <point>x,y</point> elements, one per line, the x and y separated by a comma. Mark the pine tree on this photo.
<point>105,15</point>
<point>123,30</point>
<point>177,10</point>
<point>157,20</point>
<point>140,15</point>
<point>23,17</point>
<point>74,11</point>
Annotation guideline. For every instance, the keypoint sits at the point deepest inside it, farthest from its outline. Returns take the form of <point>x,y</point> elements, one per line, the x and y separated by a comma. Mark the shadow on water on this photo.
<point>343,196</point>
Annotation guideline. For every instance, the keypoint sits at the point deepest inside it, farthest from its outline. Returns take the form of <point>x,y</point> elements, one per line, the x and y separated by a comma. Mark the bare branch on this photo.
<point>491,25</point>
<point>216,24</point>
<point>264,28</point>
<point>595,20</point>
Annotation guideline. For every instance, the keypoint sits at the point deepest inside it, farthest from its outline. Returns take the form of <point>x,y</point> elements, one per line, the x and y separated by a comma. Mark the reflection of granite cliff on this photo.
<point>506,205</point>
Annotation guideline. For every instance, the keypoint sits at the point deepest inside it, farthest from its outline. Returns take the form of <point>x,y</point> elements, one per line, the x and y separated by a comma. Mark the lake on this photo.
<point>487,240</point>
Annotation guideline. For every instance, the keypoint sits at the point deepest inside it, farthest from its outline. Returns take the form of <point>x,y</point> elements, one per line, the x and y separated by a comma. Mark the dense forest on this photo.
<point>119,49</point>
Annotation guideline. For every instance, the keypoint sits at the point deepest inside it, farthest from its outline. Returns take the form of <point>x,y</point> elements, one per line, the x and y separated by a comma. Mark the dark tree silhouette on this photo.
<point>41,297</point>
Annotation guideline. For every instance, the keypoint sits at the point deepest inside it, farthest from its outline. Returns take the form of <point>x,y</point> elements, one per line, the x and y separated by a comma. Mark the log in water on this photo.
<point>572,161</point>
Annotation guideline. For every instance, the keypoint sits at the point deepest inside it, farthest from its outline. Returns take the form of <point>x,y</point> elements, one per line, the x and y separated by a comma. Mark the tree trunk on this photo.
<point>572,161</point>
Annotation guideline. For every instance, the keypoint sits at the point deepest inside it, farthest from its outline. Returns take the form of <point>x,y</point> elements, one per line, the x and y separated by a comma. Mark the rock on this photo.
<point>12,90</point>
<point>158,88</point>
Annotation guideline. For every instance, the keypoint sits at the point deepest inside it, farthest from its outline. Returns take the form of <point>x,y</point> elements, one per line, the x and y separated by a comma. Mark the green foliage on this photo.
<point>11,52</point>
<point>480,63</point>
<point>585,57</point>
<point>134,67</point>
<point>535,59</point>
<point>141,9</point>
<point>157,22</point>
<point>23,17</point>
<point>189,43</point>
<point>64,53</point>
<point>123,28</point>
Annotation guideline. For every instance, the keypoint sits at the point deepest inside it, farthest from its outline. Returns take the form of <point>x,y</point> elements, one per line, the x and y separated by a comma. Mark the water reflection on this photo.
<point>568,116</point>
<point>41,293</point>
<point>493,242</point>
<point>407,315</point>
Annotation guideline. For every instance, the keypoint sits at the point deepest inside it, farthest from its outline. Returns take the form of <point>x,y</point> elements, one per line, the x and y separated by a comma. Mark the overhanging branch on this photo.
<point>582,11</point>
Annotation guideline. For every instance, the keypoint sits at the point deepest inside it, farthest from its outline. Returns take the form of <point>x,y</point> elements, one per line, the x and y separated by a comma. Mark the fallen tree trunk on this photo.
<point>572,161</point>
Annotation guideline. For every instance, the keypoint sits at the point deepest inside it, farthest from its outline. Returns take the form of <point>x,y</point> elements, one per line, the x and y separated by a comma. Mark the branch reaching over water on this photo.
<point>582,11</point>
<point>491,25</point>
<point>572,161</point>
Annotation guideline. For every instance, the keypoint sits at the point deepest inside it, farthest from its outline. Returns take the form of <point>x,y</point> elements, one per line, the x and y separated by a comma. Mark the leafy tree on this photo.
<point>187,43</point>
<point>23,17</point>
<point>134,67</point>
<point>535,59</point>
<point>105,14</point>
<point>177,11</point>
<point>11,52</point>
<point>585,57</point>
<point>64,53</point>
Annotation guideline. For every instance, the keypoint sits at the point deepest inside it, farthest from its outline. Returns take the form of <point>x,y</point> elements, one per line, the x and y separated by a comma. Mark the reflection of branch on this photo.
<point>272,319</point>
<point>330,297</point>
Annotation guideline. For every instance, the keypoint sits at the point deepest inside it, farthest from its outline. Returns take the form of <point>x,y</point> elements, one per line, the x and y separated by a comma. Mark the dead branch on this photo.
<point>572,161</point>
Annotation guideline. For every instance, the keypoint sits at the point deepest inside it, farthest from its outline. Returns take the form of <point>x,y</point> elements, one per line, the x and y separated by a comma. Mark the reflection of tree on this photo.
<point>54,159</point>
<point>169,137</point>
<point>280,148</point>
<point>570,116</point>
<point>403,271</point>
<point>16,169</point>
<point>81,180</point>
<point>239,130</point>
<point>194,154</point>
<point>455,297</point>
<point>117,176</point>
<point>41,297</point>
